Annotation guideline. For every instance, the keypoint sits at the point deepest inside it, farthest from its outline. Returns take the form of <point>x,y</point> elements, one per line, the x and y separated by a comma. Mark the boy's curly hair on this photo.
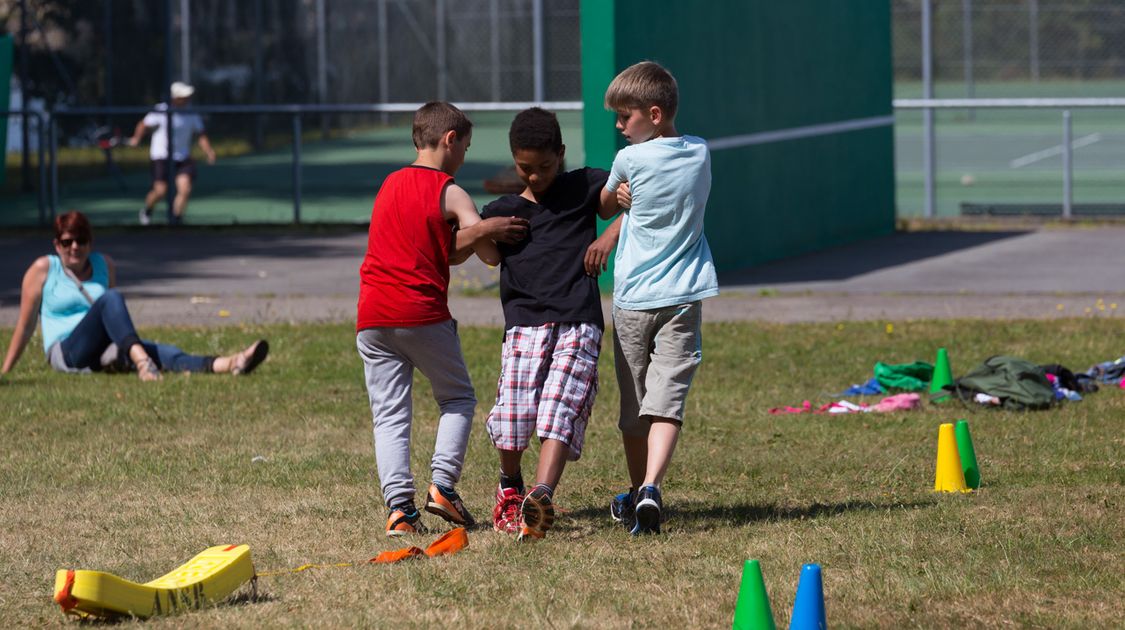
<point>535,128</point>
<point>433,119</point>
<point>642,85</point>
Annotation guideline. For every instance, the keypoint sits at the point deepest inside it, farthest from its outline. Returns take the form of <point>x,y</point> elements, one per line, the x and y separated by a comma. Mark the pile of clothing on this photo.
<point>1001,381</point>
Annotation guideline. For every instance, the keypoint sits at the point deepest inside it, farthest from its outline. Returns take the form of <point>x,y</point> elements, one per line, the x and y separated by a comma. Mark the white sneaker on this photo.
<point>145,216</point>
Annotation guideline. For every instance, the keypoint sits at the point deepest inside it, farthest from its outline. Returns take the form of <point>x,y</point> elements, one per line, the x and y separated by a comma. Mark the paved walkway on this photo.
<point>227,277</point>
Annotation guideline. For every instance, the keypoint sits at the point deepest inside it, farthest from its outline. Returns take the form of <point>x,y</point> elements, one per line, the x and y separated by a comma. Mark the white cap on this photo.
<point>182,90</point>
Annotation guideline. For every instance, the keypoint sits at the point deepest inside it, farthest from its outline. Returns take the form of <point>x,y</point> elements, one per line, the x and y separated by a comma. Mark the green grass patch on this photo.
<point>104,472</point>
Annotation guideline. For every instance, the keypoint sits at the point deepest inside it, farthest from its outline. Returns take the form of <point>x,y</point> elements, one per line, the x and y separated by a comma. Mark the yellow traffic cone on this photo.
<point>949,476</point>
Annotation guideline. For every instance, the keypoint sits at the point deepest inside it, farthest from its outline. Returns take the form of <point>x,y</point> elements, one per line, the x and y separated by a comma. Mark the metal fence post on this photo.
<point>537,53</point>
<point>1033,38</point>
<point>1068,167</point>
<point>40,134</point>
<point>53,127</point>
<point>321,66</point>
<point>297,168</point>
<point>967,50</point>
<point>928,113</point>
<point>384,63</point>
<point>185,41</point>
<point>170,164</point>
<point>494,46</point>
<point>439,39</point>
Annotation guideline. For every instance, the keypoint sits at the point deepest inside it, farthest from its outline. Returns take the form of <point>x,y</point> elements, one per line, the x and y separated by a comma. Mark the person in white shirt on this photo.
<point>184,127</point>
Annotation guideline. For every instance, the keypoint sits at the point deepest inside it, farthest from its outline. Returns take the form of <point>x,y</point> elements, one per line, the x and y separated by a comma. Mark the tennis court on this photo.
<point>997,156</point>
<point>339,178</point>
<point>1008,156</point>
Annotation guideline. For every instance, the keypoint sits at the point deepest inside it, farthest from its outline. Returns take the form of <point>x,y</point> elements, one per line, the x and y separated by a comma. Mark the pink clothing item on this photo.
<point>842,406</point>
<point>806,407</point>
<point>899,402</point>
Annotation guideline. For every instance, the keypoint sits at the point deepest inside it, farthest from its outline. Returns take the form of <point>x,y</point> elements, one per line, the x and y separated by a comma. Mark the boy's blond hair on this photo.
<point>642,85</point>
<point>433,119</point>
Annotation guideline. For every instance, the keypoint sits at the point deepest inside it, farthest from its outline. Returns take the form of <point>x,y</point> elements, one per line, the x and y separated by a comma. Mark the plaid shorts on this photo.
<point>548,381</point>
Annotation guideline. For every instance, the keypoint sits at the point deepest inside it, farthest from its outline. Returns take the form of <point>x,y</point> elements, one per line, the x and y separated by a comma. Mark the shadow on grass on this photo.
<point>252,593</point>
<point>249,594</point>
<point>698,516</point>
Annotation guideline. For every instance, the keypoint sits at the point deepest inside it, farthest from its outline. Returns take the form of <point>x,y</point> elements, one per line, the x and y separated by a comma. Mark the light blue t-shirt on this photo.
<point>662,255</point>
<point>63,305</point>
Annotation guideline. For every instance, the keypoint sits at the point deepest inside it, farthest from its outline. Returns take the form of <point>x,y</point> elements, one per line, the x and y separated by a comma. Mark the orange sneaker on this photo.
<point>446,503</point>
<point>506,514</point>
<point>537,513</point>
<point>404,520</point>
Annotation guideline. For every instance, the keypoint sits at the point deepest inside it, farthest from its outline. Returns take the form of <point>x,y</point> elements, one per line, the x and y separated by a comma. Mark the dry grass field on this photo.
<point>104,472</point>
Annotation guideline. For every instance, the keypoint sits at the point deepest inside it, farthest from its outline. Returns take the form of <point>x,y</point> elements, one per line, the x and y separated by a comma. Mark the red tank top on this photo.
<point>404,278</point>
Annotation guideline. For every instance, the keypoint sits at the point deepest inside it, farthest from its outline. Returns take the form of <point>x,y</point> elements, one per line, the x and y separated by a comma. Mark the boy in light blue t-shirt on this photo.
<point>662,271</point>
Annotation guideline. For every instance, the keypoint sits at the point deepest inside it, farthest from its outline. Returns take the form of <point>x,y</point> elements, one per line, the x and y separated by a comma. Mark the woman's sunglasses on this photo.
<point>67,242</point>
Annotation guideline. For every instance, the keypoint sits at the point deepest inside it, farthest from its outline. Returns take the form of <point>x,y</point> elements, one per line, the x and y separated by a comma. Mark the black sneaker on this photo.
<point>622,509</point>
<point>648,511</point>
<point>537,513</point>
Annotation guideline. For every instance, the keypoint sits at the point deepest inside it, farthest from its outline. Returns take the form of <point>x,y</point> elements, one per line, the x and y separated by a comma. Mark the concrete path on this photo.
<point>213,277</point>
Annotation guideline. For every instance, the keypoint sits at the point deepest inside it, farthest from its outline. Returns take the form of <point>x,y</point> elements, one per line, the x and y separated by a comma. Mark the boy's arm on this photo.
<point>474,234</point>
<point>31,294</point>
<point>610,201</point>
<point>597,254</point>
<point>607,204</point>
<point>205,144</point>
<point>138,133</point>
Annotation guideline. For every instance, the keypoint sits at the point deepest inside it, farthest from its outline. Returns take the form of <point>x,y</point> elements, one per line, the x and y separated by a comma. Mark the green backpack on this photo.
<point>1017,383</point>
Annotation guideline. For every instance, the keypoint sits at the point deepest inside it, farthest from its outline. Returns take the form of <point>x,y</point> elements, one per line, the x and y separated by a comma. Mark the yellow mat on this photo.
<point>204,580</point>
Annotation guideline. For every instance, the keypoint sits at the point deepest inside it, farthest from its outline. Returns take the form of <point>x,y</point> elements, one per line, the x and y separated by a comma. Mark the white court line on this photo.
<point>1032,158</point>
<point>763,137</point>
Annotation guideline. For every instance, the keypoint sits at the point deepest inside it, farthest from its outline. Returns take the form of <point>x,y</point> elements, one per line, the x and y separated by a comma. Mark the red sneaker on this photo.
<point>506,514</point>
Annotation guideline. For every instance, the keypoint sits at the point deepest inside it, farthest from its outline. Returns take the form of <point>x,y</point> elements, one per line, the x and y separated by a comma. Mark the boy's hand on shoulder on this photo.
<point>505,229</point>
<point>624,196</point>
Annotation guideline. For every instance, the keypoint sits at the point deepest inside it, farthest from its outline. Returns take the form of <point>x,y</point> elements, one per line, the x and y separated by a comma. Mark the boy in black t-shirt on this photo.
<point>552,318</point>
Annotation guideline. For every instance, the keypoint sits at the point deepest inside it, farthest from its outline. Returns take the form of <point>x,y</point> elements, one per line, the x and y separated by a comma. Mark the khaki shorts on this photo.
<point>656,354</point>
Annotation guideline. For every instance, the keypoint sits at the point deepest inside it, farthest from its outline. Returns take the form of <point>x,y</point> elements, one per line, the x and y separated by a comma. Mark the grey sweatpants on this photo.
<point>390,356</point>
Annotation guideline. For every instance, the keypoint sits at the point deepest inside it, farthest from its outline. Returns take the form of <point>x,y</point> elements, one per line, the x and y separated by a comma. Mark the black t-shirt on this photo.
<point>542,278</point>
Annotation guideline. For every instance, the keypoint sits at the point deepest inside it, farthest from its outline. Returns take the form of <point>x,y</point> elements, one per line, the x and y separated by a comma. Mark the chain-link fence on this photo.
<point>991,41</point>
<point>1027,160</point>
<point>114,52</point>
<point>118,55</point>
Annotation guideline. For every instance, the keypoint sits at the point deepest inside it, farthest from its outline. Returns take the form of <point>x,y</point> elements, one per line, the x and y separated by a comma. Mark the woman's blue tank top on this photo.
<point>63,305</point>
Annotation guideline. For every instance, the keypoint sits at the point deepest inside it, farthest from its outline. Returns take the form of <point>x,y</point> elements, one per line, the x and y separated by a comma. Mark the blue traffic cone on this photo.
<point>808,608</point>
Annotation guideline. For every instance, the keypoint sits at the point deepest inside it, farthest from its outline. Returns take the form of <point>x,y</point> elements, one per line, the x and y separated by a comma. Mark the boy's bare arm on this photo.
<point>611,201</point>
<point>474,234</point>
<point>597,254</point>
<point>138,133</point>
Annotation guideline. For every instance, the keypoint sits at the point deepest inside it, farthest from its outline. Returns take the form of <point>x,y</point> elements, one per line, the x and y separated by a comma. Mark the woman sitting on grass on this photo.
<point>86,325</point>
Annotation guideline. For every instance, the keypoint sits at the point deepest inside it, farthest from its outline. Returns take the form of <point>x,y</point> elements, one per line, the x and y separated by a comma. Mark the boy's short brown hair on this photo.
<point>433,119</point>
<point>642,85</point>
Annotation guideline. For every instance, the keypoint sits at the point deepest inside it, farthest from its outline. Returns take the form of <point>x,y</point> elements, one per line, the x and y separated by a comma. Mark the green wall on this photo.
<point>749,66</point>
<point>5,95</point>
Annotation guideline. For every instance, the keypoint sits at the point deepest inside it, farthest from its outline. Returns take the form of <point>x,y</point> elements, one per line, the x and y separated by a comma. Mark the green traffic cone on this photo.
<point>943,375</point>
<point>968,454</point>
<point>752,612</point>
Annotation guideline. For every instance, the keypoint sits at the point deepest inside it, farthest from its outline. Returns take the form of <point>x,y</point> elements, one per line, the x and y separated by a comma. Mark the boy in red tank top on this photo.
<point>420,224</point>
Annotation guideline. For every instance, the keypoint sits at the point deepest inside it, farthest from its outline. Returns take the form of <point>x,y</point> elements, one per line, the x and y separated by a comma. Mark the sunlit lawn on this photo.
<point>104,472</point>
